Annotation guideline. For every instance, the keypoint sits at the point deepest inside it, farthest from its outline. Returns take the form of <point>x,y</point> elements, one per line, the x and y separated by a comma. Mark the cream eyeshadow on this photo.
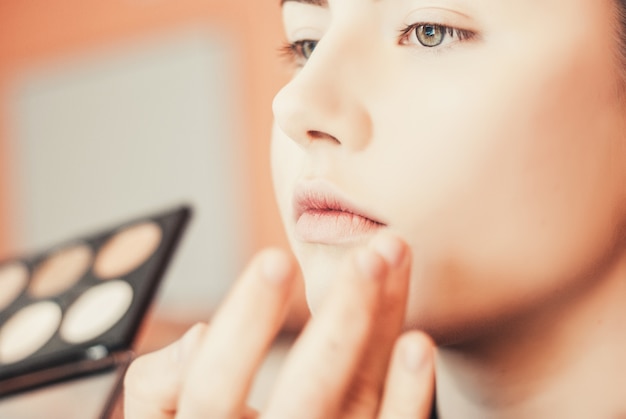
<point>60,271</point>
<point>28,330</point>
<point>13,279</point>
<point>127,250</point>
<point>96,311</point>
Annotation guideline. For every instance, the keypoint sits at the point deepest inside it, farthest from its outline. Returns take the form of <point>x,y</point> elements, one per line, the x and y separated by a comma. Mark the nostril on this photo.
<point>319,135</point>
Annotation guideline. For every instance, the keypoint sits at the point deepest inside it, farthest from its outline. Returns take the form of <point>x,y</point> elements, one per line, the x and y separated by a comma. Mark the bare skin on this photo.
<point>338,367</point>
<point>499,156</point>
<point>487,139</point>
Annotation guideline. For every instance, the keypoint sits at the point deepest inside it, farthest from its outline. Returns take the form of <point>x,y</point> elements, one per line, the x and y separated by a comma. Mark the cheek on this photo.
<point>286,163</point>
<point>510,190</point>
<point>501,173</point>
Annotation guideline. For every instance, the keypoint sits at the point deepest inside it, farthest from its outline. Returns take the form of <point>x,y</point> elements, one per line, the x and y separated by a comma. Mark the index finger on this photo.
<point>322,364</point>
<point>221,373</point>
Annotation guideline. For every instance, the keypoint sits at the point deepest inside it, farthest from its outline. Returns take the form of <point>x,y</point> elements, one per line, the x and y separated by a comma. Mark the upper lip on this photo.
<point>319,195</point>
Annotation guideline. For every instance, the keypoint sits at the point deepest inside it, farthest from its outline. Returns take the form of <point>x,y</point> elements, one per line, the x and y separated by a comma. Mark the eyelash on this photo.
<point>294,51</point>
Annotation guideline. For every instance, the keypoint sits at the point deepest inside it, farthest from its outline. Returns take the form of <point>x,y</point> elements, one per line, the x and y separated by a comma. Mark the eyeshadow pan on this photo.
<point>13,279</point>
<point>28,330</point>
<point>75,309</point>
<point>96,311</point>
<point>60,271</point>
<point>127,250</point>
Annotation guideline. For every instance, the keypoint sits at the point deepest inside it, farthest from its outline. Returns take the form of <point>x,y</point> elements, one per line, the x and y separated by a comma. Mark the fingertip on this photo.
<point>416,350</point>
<point>370,264</point>
<point>277,266</point>
<point>409,387</point>
<point>393,249</point>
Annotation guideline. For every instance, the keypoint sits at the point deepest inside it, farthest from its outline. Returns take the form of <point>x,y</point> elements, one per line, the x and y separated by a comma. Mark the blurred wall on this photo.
<point>39,35</point>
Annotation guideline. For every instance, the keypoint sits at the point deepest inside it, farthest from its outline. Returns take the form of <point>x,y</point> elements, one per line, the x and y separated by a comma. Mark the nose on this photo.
<point>322,103</point>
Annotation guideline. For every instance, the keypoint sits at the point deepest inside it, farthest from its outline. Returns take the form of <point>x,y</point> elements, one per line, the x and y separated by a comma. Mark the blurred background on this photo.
<point>110,110</point>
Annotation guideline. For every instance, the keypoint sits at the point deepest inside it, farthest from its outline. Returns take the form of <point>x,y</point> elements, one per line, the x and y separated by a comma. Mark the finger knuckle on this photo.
<point>361,400</point>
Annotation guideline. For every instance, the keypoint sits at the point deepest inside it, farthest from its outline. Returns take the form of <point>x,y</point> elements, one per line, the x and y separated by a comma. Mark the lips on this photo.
<point>324,215</point>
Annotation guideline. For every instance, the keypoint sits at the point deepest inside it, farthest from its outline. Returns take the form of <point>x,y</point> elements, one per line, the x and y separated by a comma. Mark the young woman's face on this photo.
<point>486,133</point>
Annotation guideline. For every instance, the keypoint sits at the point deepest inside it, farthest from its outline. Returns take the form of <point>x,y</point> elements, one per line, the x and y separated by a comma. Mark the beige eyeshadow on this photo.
<point>28,330</point>
<point>60,271</point>
<point>96,311</point>
<point>13,279</point>
<point>127,250</point>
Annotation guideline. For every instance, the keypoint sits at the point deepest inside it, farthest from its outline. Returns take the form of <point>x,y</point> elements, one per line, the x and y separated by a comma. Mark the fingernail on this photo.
<point>275,266</point>
<point>390,248</point>
<point>371,265</point>
<point>414,354</point>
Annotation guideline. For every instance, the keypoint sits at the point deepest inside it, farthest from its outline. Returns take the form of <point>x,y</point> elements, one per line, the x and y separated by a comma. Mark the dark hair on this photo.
<point>620,21</point>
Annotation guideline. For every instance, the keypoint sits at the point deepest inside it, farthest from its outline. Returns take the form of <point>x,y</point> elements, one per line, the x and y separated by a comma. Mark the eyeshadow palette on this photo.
<point>76,309</point>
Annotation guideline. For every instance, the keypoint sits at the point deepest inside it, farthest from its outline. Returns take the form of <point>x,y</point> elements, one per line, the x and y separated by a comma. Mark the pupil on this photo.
<point>430,35</point>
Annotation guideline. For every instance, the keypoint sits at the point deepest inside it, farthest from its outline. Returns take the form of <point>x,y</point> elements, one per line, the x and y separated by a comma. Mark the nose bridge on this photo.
<point>324,100</point>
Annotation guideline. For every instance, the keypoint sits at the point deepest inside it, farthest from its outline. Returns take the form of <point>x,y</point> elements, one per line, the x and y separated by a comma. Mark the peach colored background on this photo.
<point>35,31</point>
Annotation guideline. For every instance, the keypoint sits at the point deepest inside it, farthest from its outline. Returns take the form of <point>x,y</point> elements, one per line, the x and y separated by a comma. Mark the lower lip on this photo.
<point>333,227</point>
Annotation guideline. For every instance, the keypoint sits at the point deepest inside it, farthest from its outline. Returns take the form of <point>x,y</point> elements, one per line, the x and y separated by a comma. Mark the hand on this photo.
<point>349,362</point>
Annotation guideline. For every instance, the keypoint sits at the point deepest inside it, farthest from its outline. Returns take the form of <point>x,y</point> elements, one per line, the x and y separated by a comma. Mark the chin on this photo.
<point>319,273</point>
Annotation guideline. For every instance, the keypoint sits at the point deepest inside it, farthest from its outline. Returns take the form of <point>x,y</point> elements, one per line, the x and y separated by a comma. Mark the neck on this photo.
<point>569,361</point>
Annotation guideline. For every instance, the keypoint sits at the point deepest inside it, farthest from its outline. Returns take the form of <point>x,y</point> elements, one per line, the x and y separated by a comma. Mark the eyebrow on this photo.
<point>322,3</point>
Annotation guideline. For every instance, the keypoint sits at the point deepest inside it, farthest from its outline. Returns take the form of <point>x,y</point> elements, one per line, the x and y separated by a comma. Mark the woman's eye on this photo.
<point>432,35</point>
<point>299,51</point>
<point>306,47</point>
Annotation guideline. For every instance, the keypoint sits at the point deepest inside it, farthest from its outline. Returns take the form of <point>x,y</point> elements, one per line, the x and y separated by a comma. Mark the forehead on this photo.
<point>612,3</point>
<point>611,9</point>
